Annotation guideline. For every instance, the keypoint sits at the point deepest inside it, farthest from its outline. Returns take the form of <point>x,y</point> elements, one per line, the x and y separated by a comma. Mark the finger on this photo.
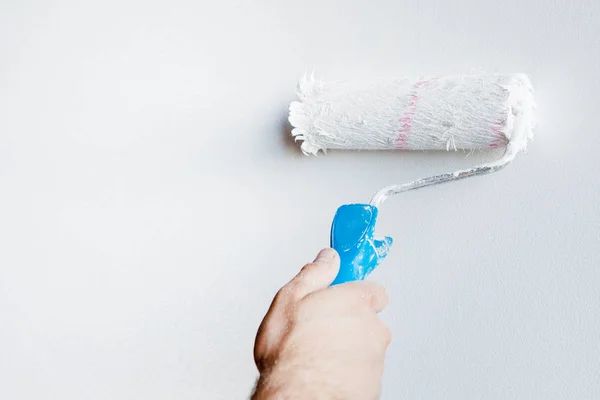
<point>370,294</point>
<point>380,332</point>
<point>313,277</point>
<point>351,297</point>
<point>386,335</point>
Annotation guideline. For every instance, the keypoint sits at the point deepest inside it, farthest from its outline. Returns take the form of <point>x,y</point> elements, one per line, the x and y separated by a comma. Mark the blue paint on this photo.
<point>352,237</point>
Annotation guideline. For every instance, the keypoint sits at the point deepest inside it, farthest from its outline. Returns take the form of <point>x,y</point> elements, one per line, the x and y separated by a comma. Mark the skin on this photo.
<point>320,342</point>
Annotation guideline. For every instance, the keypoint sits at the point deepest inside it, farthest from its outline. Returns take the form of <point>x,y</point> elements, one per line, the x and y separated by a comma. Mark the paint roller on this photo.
<point>462,112</point>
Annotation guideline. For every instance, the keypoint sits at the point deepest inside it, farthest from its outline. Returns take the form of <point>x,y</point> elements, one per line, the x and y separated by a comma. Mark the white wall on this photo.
<point>151,205</point>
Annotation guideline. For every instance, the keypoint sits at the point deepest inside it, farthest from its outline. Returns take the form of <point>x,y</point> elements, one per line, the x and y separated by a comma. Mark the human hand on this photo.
<point>321,342</point>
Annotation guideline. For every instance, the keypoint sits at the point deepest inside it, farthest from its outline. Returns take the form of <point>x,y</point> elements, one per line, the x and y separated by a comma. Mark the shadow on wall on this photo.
<point>286,138</point>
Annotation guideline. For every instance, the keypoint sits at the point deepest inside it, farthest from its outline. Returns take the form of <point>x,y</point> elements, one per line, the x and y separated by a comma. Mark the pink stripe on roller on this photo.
<point>401,140</point>
<point>498,131</point>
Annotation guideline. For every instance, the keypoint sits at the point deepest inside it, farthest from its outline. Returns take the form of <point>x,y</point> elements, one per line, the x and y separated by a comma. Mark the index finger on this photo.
<point>348,297</point>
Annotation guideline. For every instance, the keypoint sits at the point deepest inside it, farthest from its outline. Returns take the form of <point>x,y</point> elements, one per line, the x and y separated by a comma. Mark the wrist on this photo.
<point>284,385</point>
<point>272,386</point>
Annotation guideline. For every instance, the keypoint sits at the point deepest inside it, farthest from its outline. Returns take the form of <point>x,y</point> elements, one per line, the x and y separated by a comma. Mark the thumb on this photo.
<point>315,276</point>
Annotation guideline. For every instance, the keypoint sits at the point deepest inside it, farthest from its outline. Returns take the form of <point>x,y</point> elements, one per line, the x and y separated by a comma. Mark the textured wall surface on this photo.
<point>151,203</point>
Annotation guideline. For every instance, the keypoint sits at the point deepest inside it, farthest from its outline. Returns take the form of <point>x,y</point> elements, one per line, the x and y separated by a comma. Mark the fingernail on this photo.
<point>326,255</point>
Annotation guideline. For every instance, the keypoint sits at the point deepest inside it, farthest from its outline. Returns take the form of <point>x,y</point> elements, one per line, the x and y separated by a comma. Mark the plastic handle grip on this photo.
<point>352,237</point>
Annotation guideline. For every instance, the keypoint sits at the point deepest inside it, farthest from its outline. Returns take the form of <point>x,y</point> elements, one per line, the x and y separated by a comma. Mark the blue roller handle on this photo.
<point>352,237</point>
